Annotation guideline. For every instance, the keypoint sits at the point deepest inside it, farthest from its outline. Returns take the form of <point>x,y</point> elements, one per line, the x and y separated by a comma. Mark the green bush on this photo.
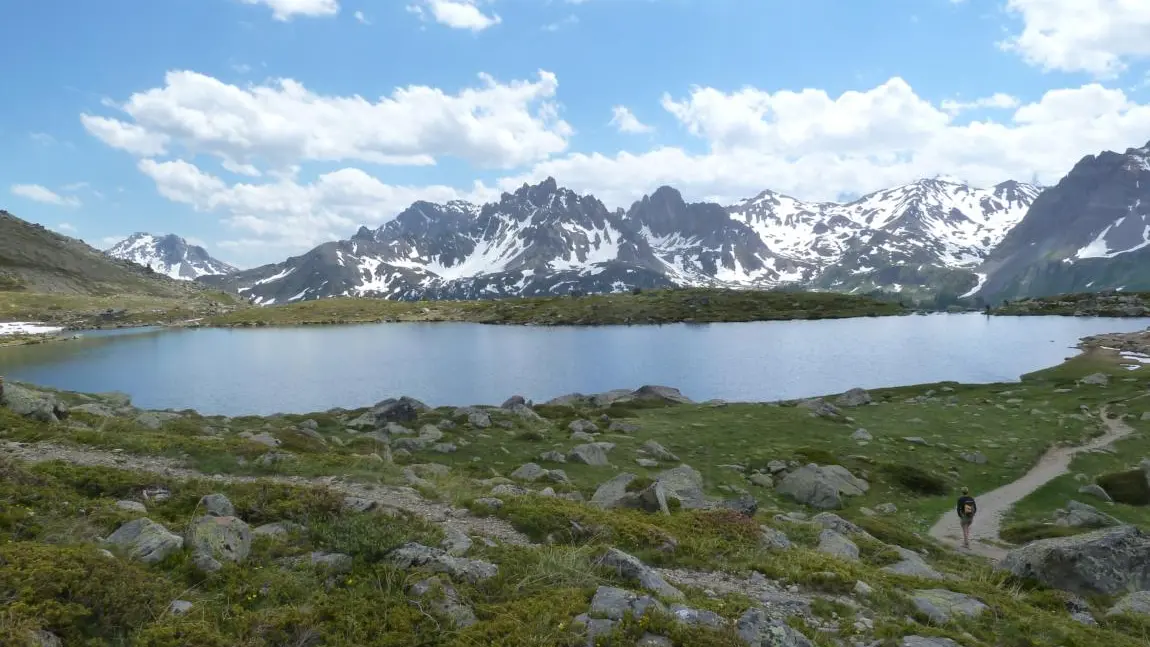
<point>77,593</point>
<point>915,479</point>
<point>1128,487</point>
<point>1023,533</point>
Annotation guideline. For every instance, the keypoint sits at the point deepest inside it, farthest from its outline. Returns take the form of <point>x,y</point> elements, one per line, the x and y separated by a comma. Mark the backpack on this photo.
<point>968,509</point>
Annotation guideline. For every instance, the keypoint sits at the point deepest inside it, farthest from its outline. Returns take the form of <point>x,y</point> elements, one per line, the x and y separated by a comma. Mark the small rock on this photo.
<point>1095,491</point>
<point>217,505</point>
<point>583,426</point>
<point>145,540</point>
<point>1096,379</point>
<point>770,538</point>
<point>886,508</point>
<point>132,506</point>
<point>552,457</point>
<point>479,419</point>
<point>455,541</point>
<point>588,454</point>
<point>657,451</point>
<point>646,462</point>
<point>862,435</point>
<point>179,607</point>
<point>863,589</point>
<point>629,567</point>
<point>472,570</point>
<point>762,480</point>
<point>836,545</point>
<point>758,627</point>
<point>529,472</point>
<point>854,398</point>
<point>941,605</point>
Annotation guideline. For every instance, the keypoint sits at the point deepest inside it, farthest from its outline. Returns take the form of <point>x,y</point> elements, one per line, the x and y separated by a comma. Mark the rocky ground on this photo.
<point>1086,304</point>
<point>624,518</point>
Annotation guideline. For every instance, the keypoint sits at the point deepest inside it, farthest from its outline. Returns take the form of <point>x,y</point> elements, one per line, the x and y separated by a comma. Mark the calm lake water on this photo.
<point>265,370</point>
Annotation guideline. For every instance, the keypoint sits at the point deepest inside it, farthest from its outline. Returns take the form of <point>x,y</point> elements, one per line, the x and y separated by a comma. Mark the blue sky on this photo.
<point>263,127</point>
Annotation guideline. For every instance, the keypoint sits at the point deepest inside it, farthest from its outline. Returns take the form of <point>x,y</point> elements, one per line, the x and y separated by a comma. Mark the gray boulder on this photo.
<point>442,600</point>
<point>862,435</point>
<point>629,567</point>
<point>657,451</point>
<point>588,454</point>
<point>403,409</point>
<point>772,539</point>
<point>836,545</point>
<point>854,398</point>
<point>941,605</point>
<point>1109,561</point>
<point>760,628</point>
<point>479,419</point>
<point>1081,515</point>
<point>616,604</point>
<point>217,505</point>
<point>612,493</point>
<point>1096,379</point>
<point>912,564</point>
<point>684,483</point>
<point>513,401</point>
<point>32,404</point>
<point>821,486</point>
<point>1135,604</point>
<point>584,426</point>
<point>437,560</point>
<point>529,472</point>
<point>921,641</point>
<point>1095,491</point>
<point>214,540</point>
<point>132,506</point>
<point>145,540</point>
<point>821,408</point>
<point>660,393</point>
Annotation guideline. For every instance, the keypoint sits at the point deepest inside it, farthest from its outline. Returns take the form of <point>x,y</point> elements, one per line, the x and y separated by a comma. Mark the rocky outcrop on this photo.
<point>214,540</point>
<point>1080,515</point>
<point>37,405</point>
<point>630,568</point>
<point>759,628</point>
<point>413,555</point>
<point>821,486</point>
<point>941,605</point>
<point>1106,561</point>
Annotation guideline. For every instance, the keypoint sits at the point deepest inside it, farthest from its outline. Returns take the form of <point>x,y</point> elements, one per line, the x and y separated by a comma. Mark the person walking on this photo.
<point>966,508</point>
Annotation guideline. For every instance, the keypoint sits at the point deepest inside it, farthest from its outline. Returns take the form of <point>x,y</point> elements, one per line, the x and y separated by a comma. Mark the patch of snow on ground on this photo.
<point>26,328</point>
<point>977,286</point>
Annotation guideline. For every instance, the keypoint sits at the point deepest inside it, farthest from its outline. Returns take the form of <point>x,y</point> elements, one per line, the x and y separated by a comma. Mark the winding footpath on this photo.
<point>985,539</point>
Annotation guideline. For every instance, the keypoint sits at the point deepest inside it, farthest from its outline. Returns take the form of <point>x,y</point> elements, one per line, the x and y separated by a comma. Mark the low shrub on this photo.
<point>1023,533</point>
<point>914,479</point>
<point>1129,487</point>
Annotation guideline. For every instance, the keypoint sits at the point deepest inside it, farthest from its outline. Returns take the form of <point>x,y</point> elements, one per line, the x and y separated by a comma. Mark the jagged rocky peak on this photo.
<point>170,255</point>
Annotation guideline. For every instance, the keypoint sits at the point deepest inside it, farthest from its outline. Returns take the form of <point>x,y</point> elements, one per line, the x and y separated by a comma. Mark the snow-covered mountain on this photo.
<point>545,239</point>
<point>169,255</point>
<point>1089,232</point>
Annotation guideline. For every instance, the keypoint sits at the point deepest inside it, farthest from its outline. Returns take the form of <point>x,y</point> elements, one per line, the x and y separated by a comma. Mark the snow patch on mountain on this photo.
<point>169,255</point>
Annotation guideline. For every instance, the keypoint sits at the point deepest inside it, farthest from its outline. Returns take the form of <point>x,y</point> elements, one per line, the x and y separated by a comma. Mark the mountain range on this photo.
<point>931,237</point>
<point>169,255</point>
<point>545,239</point>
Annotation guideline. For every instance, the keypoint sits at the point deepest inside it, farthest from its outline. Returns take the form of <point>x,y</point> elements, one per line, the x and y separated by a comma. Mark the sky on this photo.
<point>260,128</point>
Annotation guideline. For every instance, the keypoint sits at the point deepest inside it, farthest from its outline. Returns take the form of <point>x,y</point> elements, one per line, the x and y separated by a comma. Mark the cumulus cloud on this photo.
<point>807,143</point>
<point>284,10</point>
<point>996,100</point>
<point>288,213</point>
<point>819,147</point>
<point>492,125</point>
<point>456,14</point>
<point>623,119</point>
<point>1095,36</point>
<point>42,194</point>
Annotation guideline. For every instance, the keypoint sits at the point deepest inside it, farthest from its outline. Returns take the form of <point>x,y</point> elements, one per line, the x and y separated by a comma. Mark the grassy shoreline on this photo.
<point>647,307</point>
<point>1084,304</point>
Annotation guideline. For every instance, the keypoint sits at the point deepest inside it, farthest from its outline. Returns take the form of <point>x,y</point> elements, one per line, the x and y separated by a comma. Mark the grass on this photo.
<point>648,307</point>
<point>50,568</point>
<point>86,311</point>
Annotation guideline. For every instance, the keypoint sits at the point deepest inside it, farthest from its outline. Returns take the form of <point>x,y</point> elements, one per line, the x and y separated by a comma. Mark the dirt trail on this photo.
<point>402,498</point>
<point>993,505</point>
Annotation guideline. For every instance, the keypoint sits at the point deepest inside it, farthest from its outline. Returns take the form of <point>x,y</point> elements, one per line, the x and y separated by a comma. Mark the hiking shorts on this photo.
<point>965,521</point>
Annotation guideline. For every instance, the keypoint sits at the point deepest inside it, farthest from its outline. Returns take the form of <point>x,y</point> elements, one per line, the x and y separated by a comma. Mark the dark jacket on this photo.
<point>963,500</point>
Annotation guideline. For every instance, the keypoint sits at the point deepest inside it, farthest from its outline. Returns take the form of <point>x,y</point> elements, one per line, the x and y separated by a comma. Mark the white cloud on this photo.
<point>284,10</point>
<point>560,24</point>
<point>361,19</point>
<point>130,137</point>
<point>66,228</point>
<point>623,119</point>
<point>806,143</point>
<point>493,125</point>
<point>997,100</point>
<point>38,193</point>
<point>42,138</point>
<point>75,186</point>
<point>456,14</point>
<point>286,213</point>
<point>1095,36</point>
<point>815,146</point>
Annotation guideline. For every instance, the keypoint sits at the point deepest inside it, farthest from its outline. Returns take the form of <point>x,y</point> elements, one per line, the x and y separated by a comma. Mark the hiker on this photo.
<point>966,508</point>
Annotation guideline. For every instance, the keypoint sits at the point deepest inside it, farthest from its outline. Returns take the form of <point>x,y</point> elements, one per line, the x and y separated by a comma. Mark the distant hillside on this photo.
<point>34,259</point>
